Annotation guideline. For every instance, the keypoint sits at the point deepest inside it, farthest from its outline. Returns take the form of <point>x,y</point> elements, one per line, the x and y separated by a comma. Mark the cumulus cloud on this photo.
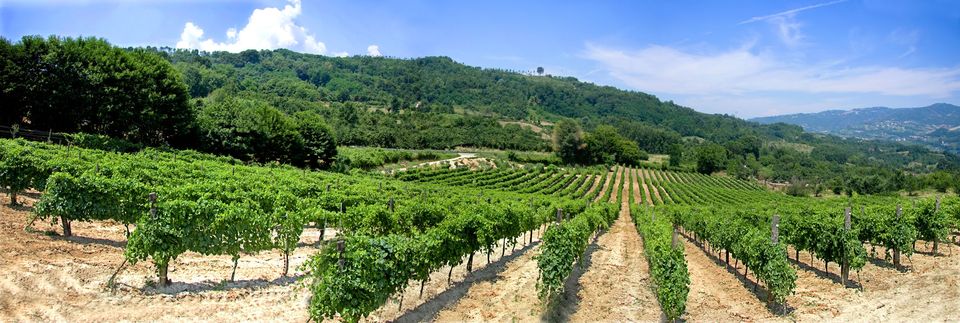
<point>267,28</point>
<point>668,70</point>
<point>373,50</point>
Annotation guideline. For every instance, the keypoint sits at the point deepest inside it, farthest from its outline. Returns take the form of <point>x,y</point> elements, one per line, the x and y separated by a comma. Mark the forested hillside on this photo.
<point>936,126</point>
<point>285,106</point>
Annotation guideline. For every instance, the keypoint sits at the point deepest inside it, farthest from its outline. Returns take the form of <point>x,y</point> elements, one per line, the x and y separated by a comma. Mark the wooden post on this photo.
<point>896,252</point>
<point>775,229</point>
<point>936,240</point>
<point>673,243</point>
<point>559,215</point>
<point>845,267</point>
<point>341,245</point>
<point>153,204</point>
<point>390,204</point>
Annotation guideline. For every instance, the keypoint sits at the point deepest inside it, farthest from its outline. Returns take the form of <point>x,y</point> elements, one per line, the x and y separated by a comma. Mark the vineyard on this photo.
<point>161,229</point>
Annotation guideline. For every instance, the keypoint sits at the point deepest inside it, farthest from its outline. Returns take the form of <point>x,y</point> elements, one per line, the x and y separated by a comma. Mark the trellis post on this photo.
<point>845,267</point>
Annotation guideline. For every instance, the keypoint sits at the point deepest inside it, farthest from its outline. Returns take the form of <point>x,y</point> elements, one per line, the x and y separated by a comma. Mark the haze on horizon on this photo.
<point>756,58</point>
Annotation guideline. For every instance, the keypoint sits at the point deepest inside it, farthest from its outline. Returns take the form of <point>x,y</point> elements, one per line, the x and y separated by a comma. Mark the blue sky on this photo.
<point>742,58</point>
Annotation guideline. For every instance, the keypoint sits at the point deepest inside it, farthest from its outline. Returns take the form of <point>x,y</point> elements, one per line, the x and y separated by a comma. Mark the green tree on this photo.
<point>940,181</point>
<point>568,141</point>
<point>87,85</point>
<point>318,139</point>
<point>711,157</point>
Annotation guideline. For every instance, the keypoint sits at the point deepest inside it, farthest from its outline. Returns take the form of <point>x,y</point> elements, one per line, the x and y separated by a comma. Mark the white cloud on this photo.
<point>668,70</point>
<point>788,28</point>
<point>907,39</point>
<point>267,28</point>
<point>373,50</point>
<point>790,12</point>
<point>341,54</point>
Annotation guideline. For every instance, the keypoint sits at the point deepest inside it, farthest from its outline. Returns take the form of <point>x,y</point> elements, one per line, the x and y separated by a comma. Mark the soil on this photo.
<point>596,183</point>
<point>654,188</point>
<point>616,284</point>
<point>606,185</point>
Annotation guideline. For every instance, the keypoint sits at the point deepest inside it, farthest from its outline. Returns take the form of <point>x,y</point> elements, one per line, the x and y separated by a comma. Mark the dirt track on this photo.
<point>616,284</point>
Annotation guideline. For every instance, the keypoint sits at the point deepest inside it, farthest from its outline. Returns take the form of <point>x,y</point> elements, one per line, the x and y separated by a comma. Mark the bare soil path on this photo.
<point>716,294</point>
<point>596,184</point>
<point>616,285</point>
<point>606,186</point>
<point>507,295</point>
<point>616,185</point>
<point>654,188</point>
<point>637,196</point>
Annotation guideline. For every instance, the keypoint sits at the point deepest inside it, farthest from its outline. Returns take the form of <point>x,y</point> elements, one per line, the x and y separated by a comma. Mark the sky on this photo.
<point>742,58</point>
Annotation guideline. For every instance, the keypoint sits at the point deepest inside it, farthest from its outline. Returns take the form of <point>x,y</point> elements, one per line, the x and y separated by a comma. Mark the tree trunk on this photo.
<point>13,198</point>
<point>421,288</point>
<point>449,274</point>
<point>162,273</point>
<point>323,230</point>
<point>67,231</point>
<point>896,258</point>
<point>126,226</point>
<point>470,263</point>
<point>936,246</point>
<point>233,274</point>
<point>503,248</point>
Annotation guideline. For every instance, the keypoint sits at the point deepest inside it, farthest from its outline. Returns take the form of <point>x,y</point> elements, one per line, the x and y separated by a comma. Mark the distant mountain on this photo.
<point>936,126</point>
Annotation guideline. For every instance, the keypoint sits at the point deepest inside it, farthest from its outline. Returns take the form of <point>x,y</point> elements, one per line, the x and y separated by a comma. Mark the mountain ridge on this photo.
<point>936,125</point>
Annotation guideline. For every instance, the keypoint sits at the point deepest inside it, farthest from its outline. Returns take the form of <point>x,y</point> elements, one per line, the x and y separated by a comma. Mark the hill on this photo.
<point>935,126</point>
<point>281,106</point>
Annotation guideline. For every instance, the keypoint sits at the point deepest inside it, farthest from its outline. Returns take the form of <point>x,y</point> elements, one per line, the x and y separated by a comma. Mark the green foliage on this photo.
<point>318,140</point>
<point>731,229</point>
<point>18,171</point>
<point>369,158</point>
<point>101,142</point>
<point>564,243</point>
<point>87,85</point>
<point>667,264</point>
<point>821,232</point>
<point>931,224</point>
<point>710,158</point>
<point>568,141</point>
<point>91,196</point>
<point>606,146</point>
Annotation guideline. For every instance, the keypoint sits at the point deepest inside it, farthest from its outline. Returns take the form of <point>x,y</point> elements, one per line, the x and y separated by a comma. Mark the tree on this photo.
<point>676,154</point>
<point>253,130</point>
<point>568,141</point>
<point>710,158</point>
<point>540,70</point>
<point>87,85</point>
<point>321,148</point>
<point>940,181</point>
<point>605,145</point>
